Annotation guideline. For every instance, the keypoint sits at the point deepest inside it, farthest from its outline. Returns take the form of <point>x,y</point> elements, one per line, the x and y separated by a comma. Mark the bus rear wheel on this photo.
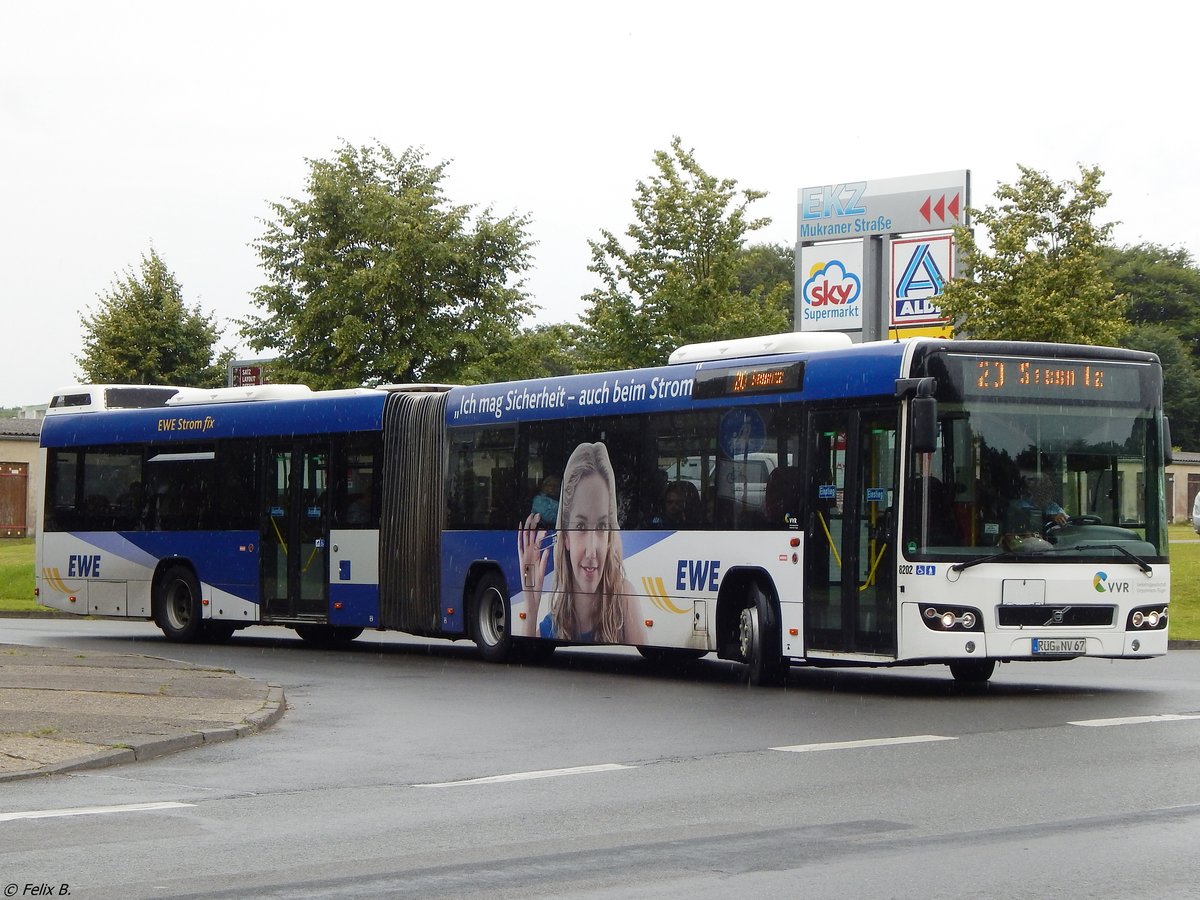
<point>972,671</point>
<point>178,612</point>
<point>491,623</point>
<point>759,642</point>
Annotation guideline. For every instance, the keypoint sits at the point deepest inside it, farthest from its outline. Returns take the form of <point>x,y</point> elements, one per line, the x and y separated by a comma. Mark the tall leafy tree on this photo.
<point>144,333</point>
<point>676,282</point>
<point>1043,277</point>
<point>376,277</point>
<point>769,268</point>
<point>538,352</point>
<point>1163,287</point>
<point>1181,382</point>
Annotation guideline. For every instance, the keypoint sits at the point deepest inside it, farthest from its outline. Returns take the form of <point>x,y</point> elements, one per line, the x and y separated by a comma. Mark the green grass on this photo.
<point>16,575</point>
<point>16,580</point>
<point>1184,624</point>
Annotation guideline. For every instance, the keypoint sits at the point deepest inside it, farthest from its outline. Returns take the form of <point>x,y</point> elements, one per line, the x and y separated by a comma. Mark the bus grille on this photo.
<point>1054,616</point>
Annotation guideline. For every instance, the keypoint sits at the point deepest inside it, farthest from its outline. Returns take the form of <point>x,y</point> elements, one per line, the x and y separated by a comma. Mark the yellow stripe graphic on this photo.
<point>52,578</point>
<point>657,592</point>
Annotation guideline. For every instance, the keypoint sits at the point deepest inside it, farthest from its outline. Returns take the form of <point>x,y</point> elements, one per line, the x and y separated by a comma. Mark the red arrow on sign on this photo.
<point>940,208</point>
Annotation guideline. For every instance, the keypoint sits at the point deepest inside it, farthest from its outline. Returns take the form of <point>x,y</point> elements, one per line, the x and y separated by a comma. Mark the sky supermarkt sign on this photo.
<point>830,212</point>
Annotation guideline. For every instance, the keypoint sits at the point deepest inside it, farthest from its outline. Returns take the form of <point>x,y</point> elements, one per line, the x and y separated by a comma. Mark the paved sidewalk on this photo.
<point>62,710</point>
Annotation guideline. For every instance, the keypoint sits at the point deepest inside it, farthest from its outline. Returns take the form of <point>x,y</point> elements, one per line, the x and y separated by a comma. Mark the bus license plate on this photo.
<point>1059,646</point>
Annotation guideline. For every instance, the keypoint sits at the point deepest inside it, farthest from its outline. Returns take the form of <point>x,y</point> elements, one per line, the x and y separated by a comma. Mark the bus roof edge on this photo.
<point>766,345</point>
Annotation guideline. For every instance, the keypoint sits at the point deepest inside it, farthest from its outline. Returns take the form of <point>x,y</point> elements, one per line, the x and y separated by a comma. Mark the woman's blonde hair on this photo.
<point>586,460</point>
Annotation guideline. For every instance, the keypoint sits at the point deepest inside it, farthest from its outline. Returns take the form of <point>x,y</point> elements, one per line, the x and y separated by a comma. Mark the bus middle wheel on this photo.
<point>491,624</point>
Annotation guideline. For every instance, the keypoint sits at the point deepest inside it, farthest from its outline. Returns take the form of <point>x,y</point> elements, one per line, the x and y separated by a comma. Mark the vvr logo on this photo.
<point>1101,585</point>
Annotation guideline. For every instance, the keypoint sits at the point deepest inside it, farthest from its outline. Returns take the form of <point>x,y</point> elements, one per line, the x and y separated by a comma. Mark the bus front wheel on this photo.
<point>178,612</point>
<point>759,641</point>
<point>491,625</point>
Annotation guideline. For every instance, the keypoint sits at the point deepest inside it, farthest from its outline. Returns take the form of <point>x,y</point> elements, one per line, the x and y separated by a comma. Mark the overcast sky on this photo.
<point>173,125</point>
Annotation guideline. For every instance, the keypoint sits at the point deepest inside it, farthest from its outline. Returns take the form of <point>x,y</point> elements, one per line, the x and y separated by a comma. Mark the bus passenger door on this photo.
<point>850,546</point>
<point>295,532</point>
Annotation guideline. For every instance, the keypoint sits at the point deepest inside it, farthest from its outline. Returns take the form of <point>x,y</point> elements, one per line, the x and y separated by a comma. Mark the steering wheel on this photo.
<point>1052,527</point>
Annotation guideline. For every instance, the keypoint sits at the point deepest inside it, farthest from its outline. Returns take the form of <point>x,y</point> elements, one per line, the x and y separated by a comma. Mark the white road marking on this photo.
<point>854,745</point>
<point>529,776</point>
<point>1133,720</point>
<point>89,811</point>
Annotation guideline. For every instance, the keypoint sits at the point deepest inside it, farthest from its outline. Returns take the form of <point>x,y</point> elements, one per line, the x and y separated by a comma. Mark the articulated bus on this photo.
<point>778,501</point>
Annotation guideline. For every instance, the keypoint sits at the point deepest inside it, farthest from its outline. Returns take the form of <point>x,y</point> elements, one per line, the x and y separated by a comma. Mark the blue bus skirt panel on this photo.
<point>227,560</point>
<point>354,605</point>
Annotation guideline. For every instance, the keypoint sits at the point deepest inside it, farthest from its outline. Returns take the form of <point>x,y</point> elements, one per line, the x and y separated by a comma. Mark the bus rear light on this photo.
<point>795,542</point>
<point>337,604</point>
<point>951,618</point>
<point>649,623</point>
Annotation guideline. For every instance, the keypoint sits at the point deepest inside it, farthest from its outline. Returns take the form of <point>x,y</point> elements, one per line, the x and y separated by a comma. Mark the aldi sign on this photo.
<point>920,269</point>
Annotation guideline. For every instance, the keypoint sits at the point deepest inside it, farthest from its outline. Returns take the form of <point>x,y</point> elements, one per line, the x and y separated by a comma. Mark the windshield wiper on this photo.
<point>958,567</point>
<point>1137,560</point>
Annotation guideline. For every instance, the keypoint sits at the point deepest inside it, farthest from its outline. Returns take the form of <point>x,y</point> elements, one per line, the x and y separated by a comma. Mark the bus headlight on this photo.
<point>1147,618</point>
<point>951,618</point>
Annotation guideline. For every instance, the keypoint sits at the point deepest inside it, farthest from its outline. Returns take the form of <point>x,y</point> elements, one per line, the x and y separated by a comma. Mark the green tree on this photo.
<point>375,277</point>
<point>678,283</point>
<point>1044,277</point>
<point>1163,287</point>
<point>769,268</point>
<point>1181,383</point>
<point>539,352</point>
<point>143,333</point>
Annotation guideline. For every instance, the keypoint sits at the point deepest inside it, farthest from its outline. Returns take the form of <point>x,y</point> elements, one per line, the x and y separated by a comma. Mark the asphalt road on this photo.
<point>411,768</point>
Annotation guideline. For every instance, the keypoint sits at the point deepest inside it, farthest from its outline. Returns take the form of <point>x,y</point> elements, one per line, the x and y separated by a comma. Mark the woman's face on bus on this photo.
<point>587,537</point>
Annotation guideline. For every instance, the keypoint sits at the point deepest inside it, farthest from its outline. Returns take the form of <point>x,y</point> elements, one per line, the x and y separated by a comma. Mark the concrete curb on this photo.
<point>272,711</point>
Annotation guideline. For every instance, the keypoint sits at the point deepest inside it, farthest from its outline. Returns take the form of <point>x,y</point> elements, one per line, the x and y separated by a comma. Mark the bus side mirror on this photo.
<point>1168,452</point>
<point>924,424</point>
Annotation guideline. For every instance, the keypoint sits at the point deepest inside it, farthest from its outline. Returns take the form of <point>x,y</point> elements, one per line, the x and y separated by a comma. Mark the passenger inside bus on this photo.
<point>545,504</point>
<point>681,505</point>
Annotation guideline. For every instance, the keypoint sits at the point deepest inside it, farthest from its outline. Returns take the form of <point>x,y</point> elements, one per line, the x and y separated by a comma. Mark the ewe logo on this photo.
<point>1101,585</point>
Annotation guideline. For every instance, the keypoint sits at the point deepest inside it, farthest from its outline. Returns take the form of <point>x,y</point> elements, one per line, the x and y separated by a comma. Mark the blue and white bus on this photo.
<point>779,501</point>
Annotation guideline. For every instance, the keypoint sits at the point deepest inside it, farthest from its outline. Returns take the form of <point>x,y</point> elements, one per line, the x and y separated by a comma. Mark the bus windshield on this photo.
<point>1066,477</point>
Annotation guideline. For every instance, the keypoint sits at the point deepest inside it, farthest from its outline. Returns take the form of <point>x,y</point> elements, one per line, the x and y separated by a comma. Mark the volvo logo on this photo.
<point>1058,616</point>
